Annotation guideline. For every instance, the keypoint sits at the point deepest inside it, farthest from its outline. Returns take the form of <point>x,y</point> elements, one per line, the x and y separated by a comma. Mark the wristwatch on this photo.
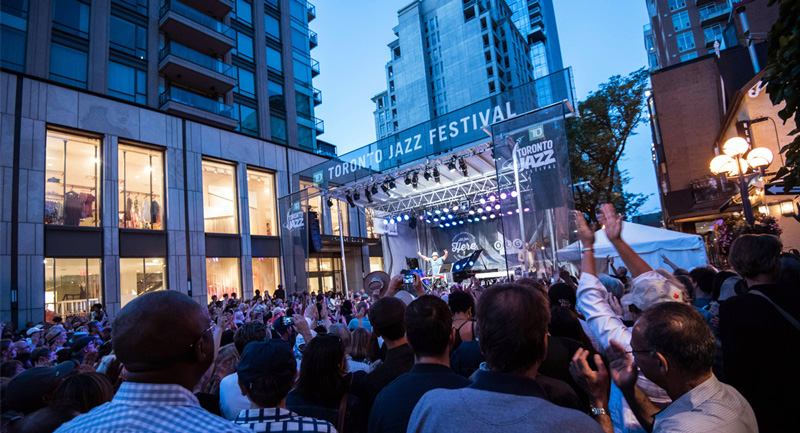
<point>597,411</point>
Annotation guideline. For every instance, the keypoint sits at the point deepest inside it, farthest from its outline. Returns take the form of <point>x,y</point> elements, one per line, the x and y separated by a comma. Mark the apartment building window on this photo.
<point>127,83</point>
<point>274,60</point>
<point>72,180</point>
<point>245,83</point>
<point>689,56</point>
<point>539,60</point>
<point>140,6</point>
<point>276,99</point>
<point>680,21</point>
<point>273,27</point>
<point>128,37</point>
<point>219,198</point>
<point>13,33</point>
<point>262,203</point>
<point>139,276</point>
<point>685,41</point>
<point>303,105</point>
<point>222,277</point>
<point>302,70</point>
<point>275,4</point>
<point>713,33</point>
<point>266,274</point>
<point>653,60</point>
<point>676,4</point>
<point>141,188</point>
<point>243,12</point>
<point>298,9</point>
<point>71,16</point>
<point>71,286</point>
<point>278,128</point>
<point>68,65</point>
<point>244,46</point>
<point>305,138</point>
<point>247,117</point>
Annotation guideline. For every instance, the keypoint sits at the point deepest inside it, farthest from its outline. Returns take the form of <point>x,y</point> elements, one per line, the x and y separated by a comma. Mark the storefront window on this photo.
<point>266,274</point>
<point>140,276</point>
<point>222,277</point>
<point>141,188</point>
<point>314,203</point>
<point>375,264</point>
<point>219,198</point>
<point>72,180</point>
<point>335,218</point>
<point>261,198</point>
<point>71,286</point>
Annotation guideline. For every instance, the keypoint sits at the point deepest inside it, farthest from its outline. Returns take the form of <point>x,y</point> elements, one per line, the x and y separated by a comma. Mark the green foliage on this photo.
<point>783,81</point>
<point>597,142</point>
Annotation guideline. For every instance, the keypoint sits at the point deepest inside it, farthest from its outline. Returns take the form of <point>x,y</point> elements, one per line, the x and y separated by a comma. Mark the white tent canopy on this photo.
<point>685,250</point>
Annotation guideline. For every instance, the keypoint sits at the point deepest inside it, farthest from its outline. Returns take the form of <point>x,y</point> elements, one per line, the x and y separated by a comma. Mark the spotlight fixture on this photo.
<point>503,196</point>
<point>514,194</point>
<point>471,212</point>
<point>413,224</point>
<point>451,165</point>
<point>492,198</point>
<point>385,221</point>
<point>368,195</point>
<point>406,217</point>
<point>407,180</point>
<point>491,216</point>
<point>482,200</point>
<point>437,211</point>
<point>483,217</point>
<point>427,175</point>
<point>480,210</point>
<point>436,175</point>
<point>329,202</point>
<point>385,188</point>
<point>350,200</point>
<point>462,165</point>
<point>461,222</point>
<point>509,213</point>
<point>415,181</point>
<point>374,189</point>
<point>488,208</point>
<point>527,209</point>
<point>450,216</point>
<point>392,185</point>
<point>428,221</point>
<point>497,206</point>
<point>429,213</point>
<point>436,219</point>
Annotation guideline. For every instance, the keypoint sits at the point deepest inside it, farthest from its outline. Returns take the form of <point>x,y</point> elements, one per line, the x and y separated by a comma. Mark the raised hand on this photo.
<point>595,383</point>
<point>612,221</point>
<point>585,233</point>
<point>394,286</point>
<point>623,370</point>
<point>418,285</point>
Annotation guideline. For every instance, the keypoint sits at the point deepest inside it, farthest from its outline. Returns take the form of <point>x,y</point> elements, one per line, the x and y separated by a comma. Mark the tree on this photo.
<point>597,142</point>
<point>783,81</point>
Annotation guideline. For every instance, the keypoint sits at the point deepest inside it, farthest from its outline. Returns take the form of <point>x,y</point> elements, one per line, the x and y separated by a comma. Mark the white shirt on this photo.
<point>607,326</point>
<point>710,406</point>
<point>231,400</point>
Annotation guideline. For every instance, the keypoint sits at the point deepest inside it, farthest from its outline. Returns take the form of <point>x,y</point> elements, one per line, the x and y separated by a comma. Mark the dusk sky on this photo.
<point>598,39</point>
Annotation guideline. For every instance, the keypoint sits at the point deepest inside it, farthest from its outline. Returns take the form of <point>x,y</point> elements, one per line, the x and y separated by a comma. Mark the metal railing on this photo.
<point>319,125</point>
<point>317,95</point>
<point>314,68</point>
<point>196,16</point>
<point>312,11</point>
<point>312,38</point>
<point>196,57</point>
<point>194,100</point>
<point>714,12</point>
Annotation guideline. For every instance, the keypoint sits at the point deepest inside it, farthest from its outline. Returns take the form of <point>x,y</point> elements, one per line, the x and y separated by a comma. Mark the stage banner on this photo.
<point>532,159</point>
<point>293,211</point>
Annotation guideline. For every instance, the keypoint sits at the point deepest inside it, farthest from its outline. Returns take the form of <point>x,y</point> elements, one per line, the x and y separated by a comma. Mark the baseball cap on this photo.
<point>263,358</point>
<point>25,391</point>
<point>561,294</point>
<point>80,343</point>
<point>651,288</point>
<point>434,254</point>
<point>37,328</point>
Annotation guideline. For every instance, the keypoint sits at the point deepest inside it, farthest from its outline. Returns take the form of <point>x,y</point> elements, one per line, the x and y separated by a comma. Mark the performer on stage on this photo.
<point>435,261</point>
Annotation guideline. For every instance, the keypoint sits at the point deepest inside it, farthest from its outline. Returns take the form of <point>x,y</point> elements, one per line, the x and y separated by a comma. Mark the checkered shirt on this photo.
<point>281,420</point>
<point>152,408</point>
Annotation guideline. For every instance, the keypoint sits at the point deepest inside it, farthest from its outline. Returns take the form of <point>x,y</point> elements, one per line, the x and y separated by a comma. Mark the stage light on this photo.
<point>445,209</point>
<point>503,196</point>
<point>469,220</point>
<point>392,185</point>
<point>483,217</point>
<point>451,165</point>
<point>471,263</point>
<point>428,221</point>
<point>447,224</point>
<point>480,210</point>
<point>374,189</point>
<point>527,209</point>
<point>329,202</point>
<point>477,219</point>
<point>488,208</point>
<point>413,224</point>
<point>415,180</point>
<point>491,216</point>
<point>510,213</point>
<point>385,188</point>
<point>427,175</point>
<point>492,198</point>
<point>350,200</point>
<point>429,213</point>
<point>407,179</point>
<point>436,175</point>
<point>368,195</point>
<point>458,267</point>
<point>385,221</point>
<point>436,219</point>
<point>421,217</point>
<point>438,211</point>
<point>497,206</point>
<point>482,200</point>
<point>406,217</point>
<point>471,212</point>
<point>517,210</point>
<point>391,220</point>
<point>356,195</point>
<point>450,216</point>
<point>461,222</point>
<point>514,194</point>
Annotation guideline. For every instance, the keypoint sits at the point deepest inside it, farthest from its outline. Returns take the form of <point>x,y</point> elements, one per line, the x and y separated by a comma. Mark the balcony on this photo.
<point>710,38</point>
<point>194,69</point>
<point>317,96</point>
<point>312,39</point>
<point>326,149</point>
<point>193,28</point>
<point>709,15</point>
<point>535,12</point>
<point>314,68</point>
<point>536,34</point>
<point>319,125</point>
<point>702,2</point>
<point>215,8</point>
<point>187,104</point>
<point>312,11</point>
<point>537,20</point>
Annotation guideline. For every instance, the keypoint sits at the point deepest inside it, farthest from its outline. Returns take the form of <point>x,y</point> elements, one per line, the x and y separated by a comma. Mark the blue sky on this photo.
<point>599,38</point>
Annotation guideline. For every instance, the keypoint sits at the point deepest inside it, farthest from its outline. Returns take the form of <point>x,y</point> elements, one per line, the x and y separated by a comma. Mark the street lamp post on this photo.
<point>734,163</point>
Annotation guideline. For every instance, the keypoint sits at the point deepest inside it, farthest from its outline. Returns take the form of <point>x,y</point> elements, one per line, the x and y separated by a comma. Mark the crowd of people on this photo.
<point>634,350</point>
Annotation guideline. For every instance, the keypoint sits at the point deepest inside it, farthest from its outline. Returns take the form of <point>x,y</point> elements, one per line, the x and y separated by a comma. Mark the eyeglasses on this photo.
<point>633,352</point>
<point>191,346</point>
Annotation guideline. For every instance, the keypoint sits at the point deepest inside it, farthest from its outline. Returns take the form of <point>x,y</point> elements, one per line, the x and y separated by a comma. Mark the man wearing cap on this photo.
<point>436,263</point>
<point>164,359</point>
<point>82,347</point>
<point>266,373</point>
<point>649,288</point>
<point>32,389</point>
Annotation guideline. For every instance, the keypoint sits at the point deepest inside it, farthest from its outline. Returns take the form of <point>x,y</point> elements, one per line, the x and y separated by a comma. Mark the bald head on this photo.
<point>156,329</point>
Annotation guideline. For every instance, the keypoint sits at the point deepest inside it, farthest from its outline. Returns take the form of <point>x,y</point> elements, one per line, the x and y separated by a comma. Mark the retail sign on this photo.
<point>295,218</point>
<point>536,133</point>
<point>319,177</point>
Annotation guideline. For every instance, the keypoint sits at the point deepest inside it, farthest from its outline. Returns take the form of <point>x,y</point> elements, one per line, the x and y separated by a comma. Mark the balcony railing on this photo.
<point>710,13</point>
<point>196,16</point>
<point>319,125</point>
<point>196,57</point>
<point>710,38</point>
<point>312,38</point>
<point>312,11</point>
<point>314,68</point>
<point>194,100</point>
<point>317,95</point>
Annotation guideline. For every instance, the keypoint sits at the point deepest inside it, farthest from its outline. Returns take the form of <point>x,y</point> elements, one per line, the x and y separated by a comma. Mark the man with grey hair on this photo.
<point>648,288</point>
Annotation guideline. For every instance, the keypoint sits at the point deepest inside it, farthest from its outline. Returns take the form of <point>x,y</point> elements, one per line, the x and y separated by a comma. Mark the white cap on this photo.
<point>651,288</point>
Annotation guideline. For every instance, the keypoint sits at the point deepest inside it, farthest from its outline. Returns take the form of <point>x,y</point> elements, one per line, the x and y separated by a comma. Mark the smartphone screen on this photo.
<point>287,321</point>
<point>408,279</point>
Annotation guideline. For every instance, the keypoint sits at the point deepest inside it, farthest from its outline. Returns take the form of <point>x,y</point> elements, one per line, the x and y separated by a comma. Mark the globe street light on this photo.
<point>734,164</point>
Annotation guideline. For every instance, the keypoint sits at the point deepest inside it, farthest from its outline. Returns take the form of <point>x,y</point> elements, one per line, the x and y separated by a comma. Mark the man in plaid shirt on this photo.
<point>267,371</point>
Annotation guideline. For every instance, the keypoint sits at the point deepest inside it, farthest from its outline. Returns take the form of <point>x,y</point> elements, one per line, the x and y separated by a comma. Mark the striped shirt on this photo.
<point>152,408</point>
<point>281,420</point>
<point>710,406</point>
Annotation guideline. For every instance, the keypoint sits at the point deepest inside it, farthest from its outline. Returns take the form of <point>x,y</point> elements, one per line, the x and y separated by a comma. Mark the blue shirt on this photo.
<point>436,265</point>
<point>152,408</point>
<point>364,322</point>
